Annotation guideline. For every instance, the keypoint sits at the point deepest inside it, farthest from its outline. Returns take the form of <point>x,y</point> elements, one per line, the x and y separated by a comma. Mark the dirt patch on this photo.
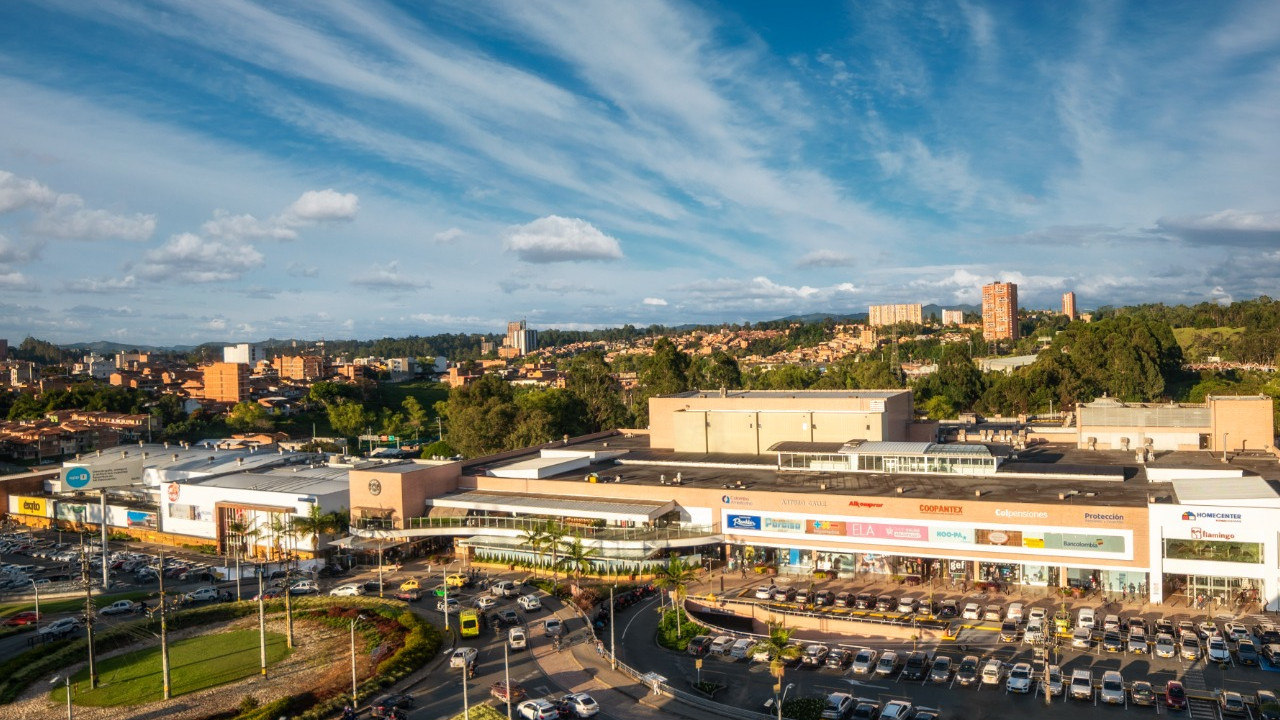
<point>320,663</point>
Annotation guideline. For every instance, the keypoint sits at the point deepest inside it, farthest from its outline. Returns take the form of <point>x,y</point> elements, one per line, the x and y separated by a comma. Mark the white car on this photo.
<point>462,657</point>
<point>553,628</point>
<point>485,602</point>
<point>348,590</point>
<point>529,603</point>
<point>1111,622</point>
<point>452,603</point>
<point>60,627</point>
<point>1165,646</point>
<point>864,662</point>
<point>721,645</point>
<point>906,605</point>
<point>1084,619</point>
<point>119,607</point>
<point>538,710</point>
<point>201,594</point>
<point>1082,638</point>
<point>1235,631</point>
<point>764,592</point>
<point>1019,678</point>
<point>304,587</point>
<point>992,671</point>
<point>1218,651</point>
<point>896,710</point>
<point>504,588</point>
<point>582,704</point>
<point>1034,633</point>
<point>1112,688</point>
<point>1037,614</point>
<point>972,611</point>
<point>517,639</point>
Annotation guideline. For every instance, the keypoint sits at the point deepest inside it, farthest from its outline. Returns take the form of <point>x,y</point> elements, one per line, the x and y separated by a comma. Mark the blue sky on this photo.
<point>186,172</point>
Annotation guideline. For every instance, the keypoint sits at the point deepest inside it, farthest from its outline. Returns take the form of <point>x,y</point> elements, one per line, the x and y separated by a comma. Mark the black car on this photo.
<point>864,601</point>
<point>1271,651</point>
<point>383,706</point>
<point>865,710</point>
<point>824,598</point>
<point>917,666</point>
<point>839,658</point>
<point>1164,625</point>
<point>885,603</point>
<point>699,645</point>
<point>947,609</point>
<point>1268,705</point>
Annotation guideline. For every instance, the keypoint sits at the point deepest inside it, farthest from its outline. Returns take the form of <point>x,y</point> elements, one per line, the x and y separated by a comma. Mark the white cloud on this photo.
<point>444,237</point>
<point>824,258</point>
<point>762,293</point>
<point>324,206</point>
<point>557,239</point>
<point>654,301</point>
<point>246,227</point>
<point>11,252</point>
<point>1226,227</point>
<point>389,278</point>
<point>103,285</point>
<point>17,281</point>
<point>192,258</point>
<point>17,193</point>
<point>297,269</point>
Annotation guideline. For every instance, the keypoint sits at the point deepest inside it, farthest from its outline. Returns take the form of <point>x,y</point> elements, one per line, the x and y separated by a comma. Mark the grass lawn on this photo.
<point>1185,336</point>
<point>49,607</point>
<point>194,664</point>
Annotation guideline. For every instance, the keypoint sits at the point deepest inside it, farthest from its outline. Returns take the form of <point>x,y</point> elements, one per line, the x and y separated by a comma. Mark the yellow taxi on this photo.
<point>456,580</point>
<point>410,584</point>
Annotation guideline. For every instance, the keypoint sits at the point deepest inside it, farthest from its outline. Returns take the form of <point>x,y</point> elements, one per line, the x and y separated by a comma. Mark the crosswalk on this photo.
<point>1202,710</point>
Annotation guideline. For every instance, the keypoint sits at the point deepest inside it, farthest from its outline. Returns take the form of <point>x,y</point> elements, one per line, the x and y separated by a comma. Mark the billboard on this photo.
<point>22,505</point>
<point>99,476</point>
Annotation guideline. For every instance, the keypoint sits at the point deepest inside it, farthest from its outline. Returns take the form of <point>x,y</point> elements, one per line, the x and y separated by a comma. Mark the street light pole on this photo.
<point>783,698</point>
<point>506,672</point>
<point>613,648</point>
<point>355,700</point>
<point>164,636</point>
<point>262,624</point>
<point>36,588</point>
<point>466,704</point>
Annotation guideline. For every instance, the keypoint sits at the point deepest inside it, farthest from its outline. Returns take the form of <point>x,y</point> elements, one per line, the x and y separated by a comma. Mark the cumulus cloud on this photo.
<point>824,258</point>
<point>17,193</point>
<point>246,227</point>
<point>389,278</point>
<point>557,239</point>
<point>63,215</point>
<point>103,286</point>
<point>11,252</point>
<point>17,281</point>
<point>1226,227</point>
<point>654,301</point>
<point>324,206</point>
<point>192,258</point>
<point>763,293</point>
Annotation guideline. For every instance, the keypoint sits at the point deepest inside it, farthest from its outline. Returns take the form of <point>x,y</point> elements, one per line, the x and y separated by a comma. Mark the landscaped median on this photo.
<point>218,644</point>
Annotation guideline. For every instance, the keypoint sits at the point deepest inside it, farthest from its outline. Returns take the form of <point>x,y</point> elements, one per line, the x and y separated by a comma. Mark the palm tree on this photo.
<point>314,524</point>
<point>776,642</point>
<point>577,557</point>
<point>535,537</point>
<point>675,576</point>
<point>554,533</point>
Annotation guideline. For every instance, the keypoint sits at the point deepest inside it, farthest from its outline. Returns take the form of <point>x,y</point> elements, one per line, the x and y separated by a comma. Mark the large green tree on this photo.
<point>349,418</point>
<point>590,379</point>
<point>480,416</point>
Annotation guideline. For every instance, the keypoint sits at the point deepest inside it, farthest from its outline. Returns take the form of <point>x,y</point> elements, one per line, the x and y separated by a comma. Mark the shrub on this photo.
<point>805,708</point>
<point>668,636</point>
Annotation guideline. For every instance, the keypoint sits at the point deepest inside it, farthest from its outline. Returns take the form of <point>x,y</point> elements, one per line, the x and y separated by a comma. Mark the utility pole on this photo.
<point>164,634</point>
<point>288,605</point>
<point>88,611</point>
<point>106,579</point>
<point>262,624</point>
<point>613,648</point>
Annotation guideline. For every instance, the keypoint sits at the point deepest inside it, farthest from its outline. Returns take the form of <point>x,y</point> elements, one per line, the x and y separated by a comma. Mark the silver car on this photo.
<point>864,662</point>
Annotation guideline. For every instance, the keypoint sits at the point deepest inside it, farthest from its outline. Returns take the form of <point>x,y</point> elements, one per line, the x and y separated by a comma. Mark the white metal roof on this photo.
<point>1226,490</point>
<point>520,503</point>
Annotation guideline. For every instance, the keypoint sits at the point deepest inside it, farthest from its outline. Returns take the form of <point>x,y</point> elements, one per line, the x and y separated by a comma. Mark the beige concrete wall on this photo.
<point>689,432</point>
<point>404,493</point>
<point>842,427</point>
<point>1249,422</point>
<point>729,432</point>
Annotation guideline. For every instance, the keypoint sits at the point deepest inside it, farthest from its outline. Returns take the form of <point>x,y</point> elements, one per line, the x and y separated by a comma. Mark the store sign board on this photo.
<point>783,525</point>
<point>963,536</point>
<point>825,527</point>
<point>884,531</point>
<point>1003,538</point>
<point>742,522</point>
<point>1084,543</point>
<point>98,476</point>
<point>32,506</point>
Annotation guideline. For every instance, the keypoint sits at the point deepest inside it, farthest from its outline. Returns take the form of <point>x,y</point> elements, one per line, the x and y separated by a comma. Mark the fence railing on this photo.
<point>607,533</point>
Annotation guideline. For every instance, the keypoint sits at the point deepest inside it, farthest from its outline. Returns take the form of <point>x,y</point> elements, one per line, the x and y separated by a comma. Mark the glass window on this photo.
<point>1215,550</point>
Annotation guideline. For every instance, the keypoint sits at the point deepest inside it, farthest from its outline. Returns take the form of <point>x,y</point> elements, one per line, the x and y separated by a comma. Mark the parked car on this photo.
<point>304,587</point>
<point>1190,648</point>
<point>1246,652</point>
<point>844,600</point>
<point>1137,642</point>
<point>1034,632</point>
<point>504,588</point>
<point>1271,651</point>
<point>1208,629</point>
<point>741,648</point>
<point>916,666</point>
<point>992,671</point>
<point>350,589</point>
<point>1054,684</point>
<point>1232,703</point>
<point>1112,642</point>
<point>1082,638</point>
<point>1165,646</point>
<point>941,670</point>
<point>971,611</point>
<point>462,657</point>
<point>815,655</point>
<point>824,598</point>
<point>888,663</point>
<point>947,609</point>
<point>721,645</point>
<point>1268,705</point>
<point>1019,678</point>
<point>967,670</point>
<point>1014,612</point>
<point>529,603</point>
<point>838,706</point>
<point>1141,693</point>
<point>1175,695</point>
<point>896,710</point>
<point>906,605</point>
<point>1081,684</point>
<point>802,596</point>
<point>1112,691</point>
<point>698,645</point>
<point>864,661</point>
<point>884,603</point>
<point>839,658</point>
<point>1084,618</point>
<point>865,709</point>
<point>864,601</point>
<point>784,594</point>
<point>1009,631</point>
<point>764,592</point>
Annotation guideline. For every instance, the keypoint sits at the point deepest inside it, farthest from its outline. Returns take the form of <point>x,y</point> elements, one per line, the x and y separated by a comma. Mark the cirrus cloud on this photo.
<point>557,239</point>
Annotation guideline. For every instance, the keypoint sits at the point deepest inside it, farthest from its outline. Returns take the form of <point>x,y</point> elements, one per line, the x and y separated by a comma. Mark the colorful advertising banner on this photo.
<point>883,531</point>
<point>140,519</point>
<point>961,536</point>
<point>1003,538</point>
<point>825,527</point>
<point>1087,543</point>
<point>783,525</point>
<point>31,506</point>
<point>742,522</point>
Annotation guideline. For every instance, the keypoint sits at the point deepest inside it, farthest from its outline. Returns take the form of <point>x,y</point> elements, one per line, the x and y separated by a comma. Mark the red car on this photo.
<point>27,617</point>
<point>499,691</point>
<point>1175,696</point>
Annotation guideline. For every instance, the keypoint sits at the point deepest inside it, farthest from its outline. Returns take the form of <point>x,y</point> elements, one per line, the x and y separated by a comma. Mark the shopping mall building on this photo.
<point>841,482</point>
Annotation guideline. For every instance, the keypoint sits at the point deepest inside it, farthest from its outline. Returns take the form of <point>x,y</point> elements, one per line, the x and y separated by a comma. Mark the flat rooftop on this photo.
<point>769,394</point>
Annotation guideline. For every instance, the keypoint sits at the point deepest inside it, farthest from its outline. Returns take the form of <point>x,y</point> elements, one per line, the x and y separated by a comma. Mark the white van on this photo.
<point>740,648</point>
<point>720,645</point>
<point>1015,612</point>
<point>517,638</point>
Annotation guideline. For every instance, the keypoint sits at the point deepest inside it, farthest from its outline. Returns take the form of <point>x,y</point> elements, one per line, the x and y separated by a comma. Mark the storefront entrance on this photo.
<point>1212,592</point>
